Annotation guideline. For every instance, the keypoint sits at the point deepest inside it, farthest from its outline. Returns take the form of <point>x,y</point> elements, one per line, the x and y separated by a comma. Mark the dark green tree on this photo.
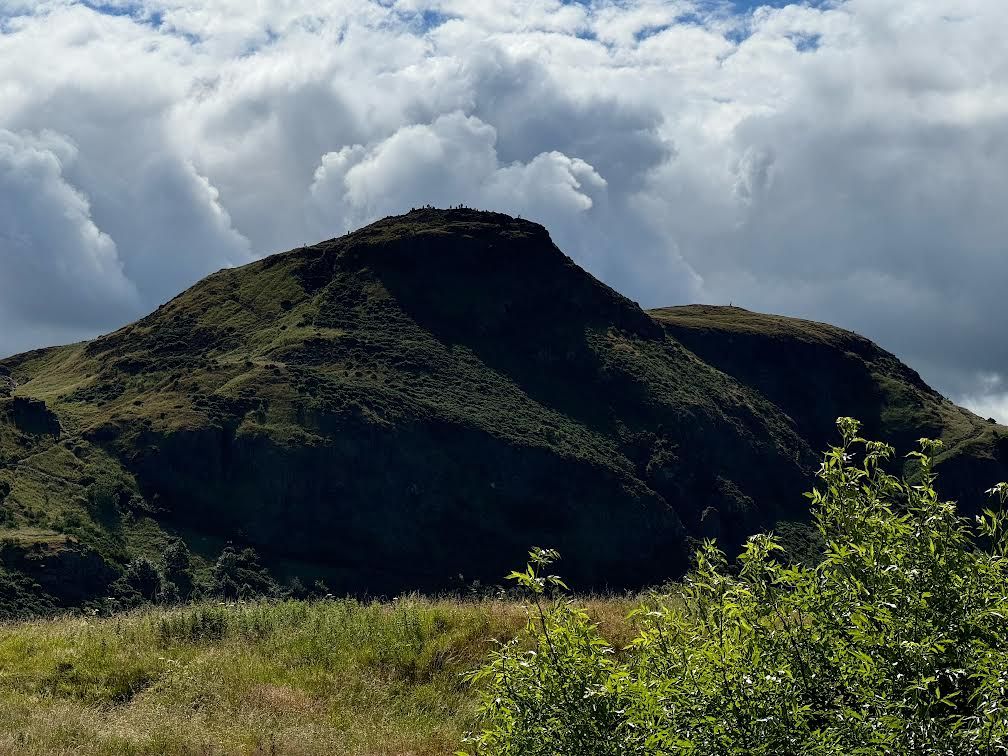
<point>179,569</point>
<point>240,575</point>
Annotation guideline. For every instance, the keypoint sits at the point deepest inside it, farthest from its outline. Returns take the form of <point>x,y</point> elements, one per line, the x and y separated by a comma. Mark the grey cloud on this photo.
<point>262,146</point>
<point>165,218</point>
<point>181,234</point>
<point>533,114</point>
<point>896,232</point>
<point>988,398</point>
<point>145,201</point>
<point>57,266</point>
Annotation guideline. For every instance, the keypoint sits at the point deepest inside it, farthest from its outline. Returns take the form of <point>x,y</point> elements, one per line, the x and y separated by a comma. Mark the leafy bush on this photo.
<point>7,518</point>
<point>22,597</point>
<point>240,575</point>
<point>178,567</point>
<point>144,577</point>
<point>142,582</point>
<point>105,494</point>
<point>896,642</point>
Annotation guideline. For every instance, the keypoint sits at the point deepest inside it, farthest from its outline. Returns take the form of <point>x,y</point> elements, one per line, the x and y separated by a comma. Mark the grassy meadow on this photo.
<point>326,677</point>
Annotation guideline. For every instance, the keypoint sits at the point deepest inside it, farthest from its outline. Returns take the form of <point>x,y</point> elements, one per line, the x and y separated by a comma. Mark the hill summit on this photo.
<point>424,399</point>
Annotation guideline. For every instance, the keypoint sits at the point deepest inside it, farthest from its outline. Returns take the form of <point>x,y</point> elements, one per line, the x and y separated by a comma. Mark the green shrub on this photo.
<point>178,567</point>
<point>144,578</point>
<point>7,517</point>
<point>240,575</point>
<point>896,642</point>
<point>105,494</point>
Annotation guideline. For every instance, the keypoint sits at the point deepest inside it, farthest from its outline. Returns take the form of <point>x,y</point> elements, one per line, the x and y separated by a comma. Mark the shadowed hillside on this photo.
<point>424,399</point>
<point>810,370</point>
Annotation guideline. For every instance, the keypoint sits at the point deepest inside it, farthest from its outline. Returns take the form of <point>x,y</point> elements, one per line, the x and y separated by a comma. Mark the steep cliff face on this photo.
<point>812,371</point>
<point>809,369</point>
<point>428,397</point>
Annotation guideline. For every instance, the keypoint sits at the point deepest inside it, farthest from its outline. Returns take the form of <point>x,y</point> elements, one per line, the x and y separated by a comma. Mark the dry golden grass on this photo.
<point>330,677</point>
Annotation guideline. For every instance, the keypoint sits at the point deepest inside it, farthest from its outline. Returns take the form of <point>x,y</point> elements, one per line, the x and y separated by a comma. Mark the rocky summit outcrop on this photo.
<point>428,397</point>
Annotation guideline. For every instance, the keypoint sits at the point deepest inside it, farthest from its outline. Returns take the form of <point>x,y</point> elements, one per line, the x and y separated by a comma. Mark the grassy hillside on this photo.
<point>331,677</point>
<point>810,369</point>
<point>410,406</point>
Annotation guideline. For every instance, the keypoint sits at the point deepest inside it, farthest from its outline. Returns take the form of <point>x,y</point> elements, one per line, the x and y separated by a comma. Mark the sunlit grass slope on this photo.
<point>329,677</point>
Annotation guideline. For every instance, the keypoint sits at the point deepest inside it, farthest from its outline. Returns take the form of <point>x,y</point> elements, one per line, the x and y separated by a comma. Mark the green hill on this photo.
<point>810,370</point>
<point>422,400</point>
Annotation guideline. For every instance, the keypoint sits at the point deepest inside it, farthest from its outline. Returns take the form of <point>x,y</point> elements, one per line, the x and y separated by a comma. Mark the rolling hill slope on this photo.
<point>423,399</point>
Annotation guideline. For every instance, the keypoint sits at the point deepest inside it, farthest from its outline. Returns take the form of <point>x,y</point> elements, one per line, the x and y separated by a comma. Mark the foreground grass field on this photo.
<point>328,677</point>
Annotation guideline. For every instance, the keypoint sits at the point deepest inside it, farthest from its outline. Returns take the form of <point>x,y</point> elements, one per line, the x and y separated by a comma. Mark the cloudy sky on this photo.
<point>843,160</point>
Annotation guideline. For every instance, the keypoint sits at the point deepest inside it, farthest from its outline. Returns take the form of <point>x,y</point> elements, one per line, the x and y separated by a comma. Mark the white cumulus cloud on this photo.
<point>449,162</point>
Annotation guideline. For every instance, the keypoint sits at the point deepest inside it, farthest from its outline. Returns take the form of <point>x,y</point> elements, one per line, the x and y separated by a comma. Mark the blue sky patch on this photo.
<point>131,10</point>
<point>748,6</point>
<point>650,31</point>
<point>136,12</point>
<point>423,21</point>
<point>738,10</point>
<point>805,42</point>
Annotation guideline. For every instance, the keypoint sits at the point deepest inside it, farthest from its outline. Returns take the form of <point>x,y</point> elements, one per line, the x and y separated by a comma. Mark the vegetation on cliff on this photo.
<point>408,407</point>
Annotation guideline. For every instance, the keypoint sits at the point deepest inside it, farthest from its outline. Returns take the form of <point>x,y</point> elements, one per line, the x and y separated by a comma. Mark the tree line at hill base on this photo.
<point>237,575</point>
